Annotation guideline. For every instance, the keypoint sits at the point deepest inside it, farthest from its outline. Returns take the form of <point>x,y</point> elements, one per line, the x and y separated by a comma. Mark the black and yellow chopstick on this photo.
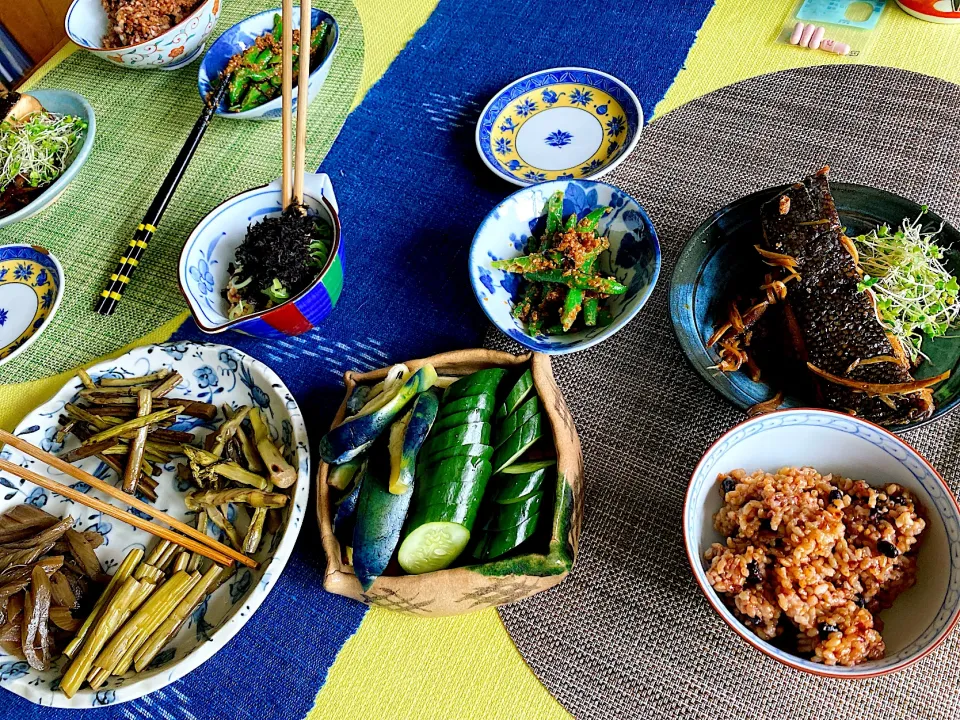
<point>133,253</point>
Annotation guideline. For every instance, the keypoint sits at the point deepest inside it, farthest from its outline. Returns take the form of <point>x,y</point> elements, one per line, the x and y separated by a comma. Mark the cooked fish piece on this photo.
<point>831,324</point>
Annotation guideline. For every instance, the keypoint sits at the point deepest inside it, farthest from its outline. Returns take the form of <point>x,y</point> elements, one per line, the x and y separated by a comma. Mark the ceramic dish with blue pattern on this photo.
<point>560,124</point>
<point>211,373</point>
<point>243,35</point>
<point>633,258</point>
<point>831,442</point>
<point>721,250</point>
<point>31,288</point>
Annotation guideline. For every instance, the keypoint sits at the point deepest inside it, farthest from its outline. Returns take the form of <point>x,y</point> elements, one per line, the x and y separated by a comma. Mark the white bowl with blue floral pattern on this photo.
<point>833,442</point>
<point>564,123</point>
<point>633,258</point>
<point>241,36</point>
<point>211,373</point>
<point>31,288</point>
<point>86,24</point>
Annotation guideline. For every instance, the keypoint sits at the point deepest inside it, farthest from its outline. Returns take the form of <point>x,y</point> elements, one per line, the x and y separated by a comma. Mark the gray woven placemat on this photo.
<point>629,634</point>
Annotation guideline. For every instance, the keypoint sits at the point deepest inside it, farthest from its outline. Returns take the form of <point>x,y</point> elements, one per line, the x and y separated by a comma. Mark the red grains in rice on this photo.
<point>813,559</point>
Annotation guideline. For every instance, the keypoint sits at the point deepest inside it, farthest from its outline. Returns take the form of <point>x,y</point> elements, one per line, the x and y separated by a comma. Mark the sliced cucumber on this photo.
<point>517,394</point>
<point>463,435</point>
<point>521,415</point>
<point>482,382</point>
<point>475,449</point>
<point>465,404</point>
<point>529,466</point>
<point>513,514</point>
<point>457,470</point>
<point>502,542</point>
<point>517,444</point>
<point>463,418</point>
<point>432,546</point>
<point>511,488</point>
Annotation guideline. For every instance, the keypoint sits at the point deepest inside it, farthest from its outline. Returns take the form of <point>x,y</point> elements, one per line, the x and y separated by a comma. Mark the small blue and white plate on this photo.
<point>559,124</point>
<point>31,287</point>
<point>633,258</point>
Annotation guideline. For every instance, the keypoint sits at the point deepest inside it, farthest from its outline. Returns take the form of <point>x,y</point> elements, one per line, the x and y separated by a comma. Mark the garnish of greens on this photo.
<point>254,74</point>
<point>37,148</point>
<point>561,274</point>
<point>277,259</point>
<point>916,294</point>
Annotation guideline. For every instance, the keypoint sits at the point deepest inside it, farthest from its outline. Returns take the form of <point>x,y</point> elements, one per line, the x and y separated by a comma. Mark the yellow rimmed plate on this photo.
<point>559,124</point>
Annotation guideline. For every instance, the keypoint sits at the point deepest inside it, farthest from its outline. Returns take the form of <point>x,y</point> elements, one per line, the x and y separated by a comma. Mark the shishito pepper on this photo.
<point>579,280</point>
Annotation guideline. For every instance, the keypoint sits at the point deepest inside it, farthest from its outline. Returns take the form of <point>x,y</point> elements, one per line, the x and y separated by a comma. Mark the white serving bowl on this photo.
<point>86,24</point>
<point>832,442</point>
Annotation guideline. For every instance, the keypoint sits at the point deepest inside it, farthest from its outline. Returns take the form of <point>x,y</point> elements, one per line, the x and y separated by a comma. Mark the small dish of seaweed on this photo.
<point>253,267</point>
<point>278,258</point>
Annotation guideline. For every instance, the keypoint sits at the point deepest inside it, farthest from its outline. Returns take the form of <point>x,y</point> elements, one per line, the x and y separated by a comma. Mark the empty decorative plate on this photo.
<point>31,285</point>
<point>559,124</point>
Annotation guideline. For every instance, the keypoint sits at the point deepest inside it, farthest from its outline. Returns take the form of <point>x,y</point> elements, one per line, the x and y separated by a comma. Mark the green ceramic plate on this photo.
<point>721,250</point>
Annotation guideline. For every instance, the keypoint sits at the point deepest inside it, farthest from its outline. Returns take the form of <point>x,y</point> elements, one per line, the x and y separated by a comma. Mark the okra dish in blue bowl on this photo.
<point>563,265</point>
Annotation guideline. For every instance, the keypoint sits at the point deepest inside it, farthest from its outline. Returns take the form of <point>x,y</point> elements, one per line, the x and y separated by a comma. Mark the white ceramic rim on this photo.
<point>99,48</point>
<point>693,555</point>
<point>56,301</point>
<point>60,184</point>
<point>600,171</point>
<point>241,616</point>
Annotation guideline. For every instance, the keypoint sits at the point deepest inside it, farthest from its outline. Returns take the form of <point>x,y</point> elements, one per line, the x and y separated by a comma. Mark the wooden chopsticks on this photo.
<point>286,80</point>
<point>303,99</point>
<point>195,541</point>
<point>292,180</point>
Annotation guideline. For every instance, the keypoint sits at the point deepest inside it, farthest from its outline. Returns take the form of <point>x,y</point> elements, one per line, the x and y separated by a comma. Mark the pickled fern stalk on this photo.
<point>916,294</point>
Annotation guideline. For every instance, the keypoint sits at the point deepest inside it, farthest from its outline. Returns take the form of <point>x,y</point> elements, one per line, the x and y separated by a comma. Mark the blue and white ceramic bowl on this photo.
<point>240,37</point>
<point>211,373</point>
<point>633,258</point>
<point>560,124</point>
<point>212,246</point>
<point>833,442</point>
<point>61,102</point>
<point>87,23</point>
<point>31,288</point>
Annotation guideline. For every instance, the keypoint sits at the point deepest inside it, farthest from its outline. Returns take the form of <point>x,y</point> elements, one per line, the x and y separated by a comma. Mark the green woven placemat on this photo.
<point>143,118</point>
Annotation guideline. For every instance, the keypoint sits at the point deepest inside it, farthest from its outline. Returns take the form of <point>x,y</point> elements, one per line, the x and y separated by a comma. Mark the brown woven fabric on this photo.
<point>629,633</point>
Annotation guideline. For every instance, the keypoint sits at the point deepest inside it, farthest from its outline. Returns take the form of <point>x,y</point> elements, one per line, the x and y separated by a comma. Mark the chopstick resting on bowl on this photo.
<point>303,100</point>
<point>191,539</point>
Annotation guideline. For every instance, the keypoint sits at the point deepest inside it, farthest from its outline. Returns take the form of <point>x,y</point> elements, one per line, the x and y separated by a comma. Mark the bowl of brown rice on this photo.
<point>824,541</point>
<point>143,34</point>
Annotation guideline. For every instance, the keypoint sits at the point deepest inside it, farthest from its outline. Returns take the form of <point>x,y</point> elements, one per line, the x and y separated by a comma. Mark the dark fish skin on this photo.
<point>832,323</point>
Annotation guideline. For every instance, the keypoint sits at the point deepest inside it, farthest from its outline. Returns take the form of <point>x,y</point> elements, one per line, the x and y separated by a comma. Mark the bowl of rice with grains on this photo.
<point>143,34</point>
<point>824,541</point>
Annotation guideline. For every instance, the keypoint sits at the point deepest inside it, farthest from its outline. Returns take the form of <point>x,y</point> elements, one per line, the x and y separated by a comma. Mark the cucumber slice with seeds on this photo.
<point>517,395</point>
<point>517,444</point>
<point>432,546</point>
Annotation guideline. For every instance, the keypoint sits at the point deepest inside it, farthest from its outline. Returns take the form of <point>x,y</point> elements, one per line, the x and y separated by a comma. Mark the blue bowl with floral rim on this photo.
<point>31,288</point>
<point>241,36</point>
<point>633,258</point>
<point>559,124</point>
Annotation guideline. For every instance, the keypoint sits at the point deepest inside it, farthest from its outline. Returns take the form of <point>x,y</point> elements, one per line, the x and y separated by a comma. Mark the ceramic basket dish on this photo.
<point>86,24</point>
<point>459,590</point>
<point>212,246</point>
<point>241,36</point>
